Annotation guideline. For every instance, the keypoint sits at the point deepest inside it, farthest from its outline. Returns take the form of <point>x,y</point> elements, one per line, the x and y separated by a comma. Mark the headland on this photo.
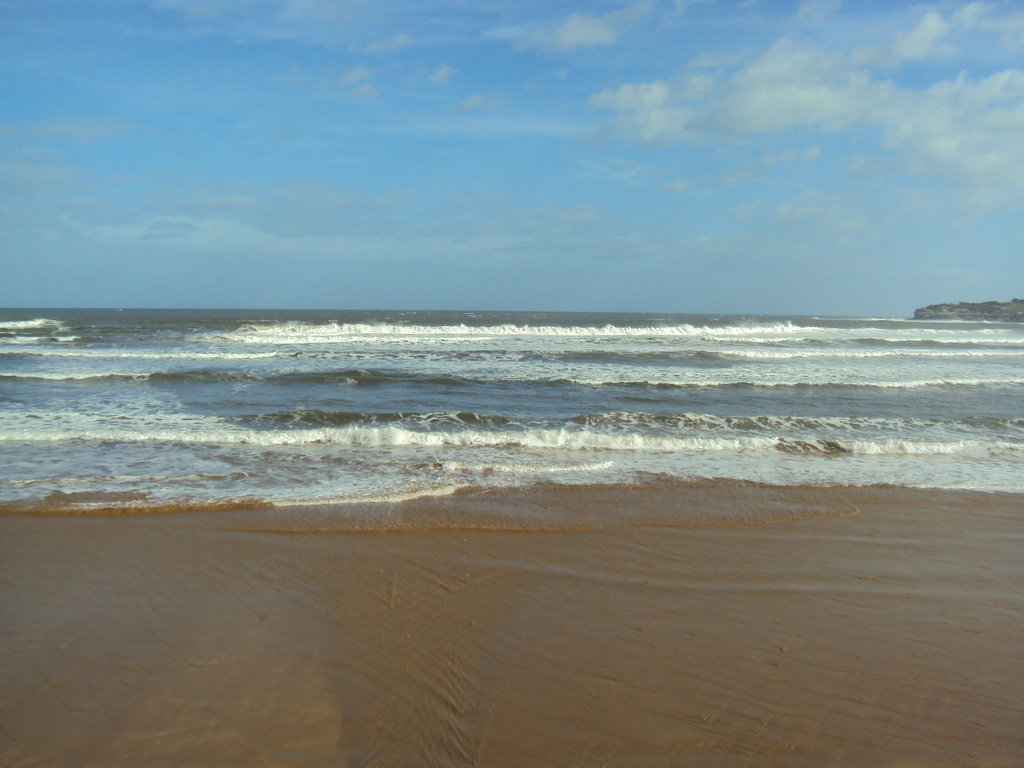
<point>1005,311</point>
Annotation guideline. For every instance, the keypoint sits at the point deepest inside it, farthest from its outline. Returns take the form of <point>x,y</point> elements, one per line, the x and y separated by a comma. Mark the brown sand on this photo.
<point>702,624</point>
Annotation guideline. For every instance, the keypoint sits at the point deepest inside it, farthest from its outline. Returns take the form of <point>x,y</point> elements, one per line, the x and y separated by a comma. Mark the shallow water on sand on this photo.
<point>707,623</point>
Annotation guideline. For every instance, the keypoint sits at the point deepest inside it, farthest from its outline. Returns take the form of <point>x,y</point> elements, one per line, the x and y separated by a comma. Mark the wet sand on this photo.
<point>697,624</point>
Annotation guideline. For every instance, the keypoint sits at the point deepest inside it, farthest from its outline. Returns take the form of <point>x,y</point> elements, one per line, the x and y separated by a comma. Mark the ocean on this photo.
<point>154,408</point>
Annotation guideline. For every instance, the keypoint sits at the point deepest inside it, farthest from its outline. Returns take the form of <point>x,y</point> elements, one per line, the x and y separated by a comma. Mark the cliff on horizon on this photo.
<point>1012,311</point>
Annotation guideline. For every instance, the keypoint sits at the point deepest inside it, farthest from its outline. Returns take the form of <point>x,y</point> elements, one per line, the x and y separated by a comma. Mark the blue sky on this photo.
<point>817,157</point>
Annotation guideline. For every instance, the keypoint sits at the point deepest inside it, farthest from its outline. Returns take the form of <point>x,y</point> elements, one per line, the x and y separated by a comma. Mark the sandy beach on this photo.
<point>698,624</point>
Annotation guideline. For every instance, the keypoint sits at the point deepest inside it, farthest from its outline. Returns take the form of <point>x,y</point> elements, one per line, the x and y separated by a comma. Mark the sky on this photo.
<point>735,156</point>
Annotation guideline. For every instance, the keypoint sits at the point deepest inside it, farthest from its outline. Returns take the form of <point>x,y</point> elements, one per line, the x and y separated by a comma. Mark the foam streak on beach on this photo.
<point>429,539</point>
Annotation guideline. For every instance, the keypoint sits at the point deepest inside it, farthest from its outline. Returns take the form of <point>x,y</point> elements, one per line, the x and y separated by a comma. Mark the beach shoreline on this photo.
<point>668,622</point>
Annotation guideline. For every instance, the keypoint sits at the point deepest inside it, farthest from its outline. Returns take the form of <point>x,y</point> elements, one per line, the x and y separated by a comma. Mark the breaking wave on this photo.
<point>104,354</point>
<point>312,333</point>
<point>825,384</point>
<point>326,404</point>
<point>305,333</point>
<point>393,436</point>
<point>706,378</point>
<point>27,325</point>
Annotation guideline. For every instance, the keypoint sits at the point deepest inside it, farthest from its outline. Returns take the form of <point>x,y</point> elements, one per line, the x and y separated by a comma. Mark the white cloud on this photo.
<point>969,129</point>
<point>326,23</point>
<point>478,101</point>
<point>678,185</point>
<point>682,6</point>
<point>966,130</point>
<point>817,213</point>
<point>923,40</point>
<point>356,83</point>
<point>806,206</point>
<point>25,171</point>
<point>78,129</point>
<point>316,9</point>
<point>356,75</point>
<point>197,9</point>
<point>392,44</point>
<point>442,75</point>
<point>578,30</point>
<point>296,76</point>
<point>805,155</point>
<point>581,31</point>
<point>929,38</point>
<point>791,85</point>
<point>817,11</point>
<point>306,210</point>
<point>651,112</point>
<point>1010,29</point>
<point>478,117</point>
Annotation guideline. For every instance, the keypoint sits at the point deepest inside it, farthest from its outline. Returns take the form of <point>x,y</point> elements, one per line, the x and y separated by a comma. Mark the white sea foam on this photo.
<point>968,448</point>
<point>103,481</point>
<point>393,497</point>
<point>320,411</point>
<point>73,376</point>
<point>802,425</point>
<point>302,333</point>
<point>116,354</point>
<point>601,376</point>
<point>624,429</point>
<point>17,346</point>
<point>543,439</point>
<point>827,354</point>
<point>296,333</point>
<point>524,468</point>
<point>26,340</point>
<point>678,382</point>
<point>20,325</point>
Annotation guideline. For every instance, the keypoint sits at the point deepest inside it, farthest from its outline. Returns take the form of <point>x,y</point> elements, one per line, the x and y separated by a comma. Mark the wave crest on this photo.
<point>22,325</point>
<point>572,439</point>
<point>304,333</point>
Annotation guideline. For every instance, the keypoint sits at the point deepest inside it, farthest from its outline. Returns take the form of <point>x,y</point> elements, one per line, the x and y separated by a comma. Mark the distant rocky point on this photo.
<point>1012,311</point>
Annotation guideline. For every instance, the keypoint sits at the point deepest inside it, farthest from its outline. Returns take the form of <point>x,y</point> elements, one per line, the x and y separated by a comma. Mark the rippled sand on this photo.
<point>700,624</point>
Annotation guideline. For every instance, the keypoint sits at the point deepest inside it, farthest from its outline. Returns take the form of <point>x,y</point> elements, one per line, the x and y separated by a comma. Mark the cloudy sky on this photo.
<point>749,156</point>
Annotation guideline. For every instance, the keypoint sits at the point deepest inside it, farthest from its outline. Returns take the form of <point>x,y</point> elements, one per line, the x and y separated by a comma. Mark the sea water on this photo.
<point>147,407</point>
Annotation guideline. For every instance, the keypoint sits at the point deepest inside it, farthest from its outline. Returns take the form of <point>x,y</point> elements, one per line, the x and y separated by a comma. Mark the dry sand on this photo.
<point>700,624</point>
